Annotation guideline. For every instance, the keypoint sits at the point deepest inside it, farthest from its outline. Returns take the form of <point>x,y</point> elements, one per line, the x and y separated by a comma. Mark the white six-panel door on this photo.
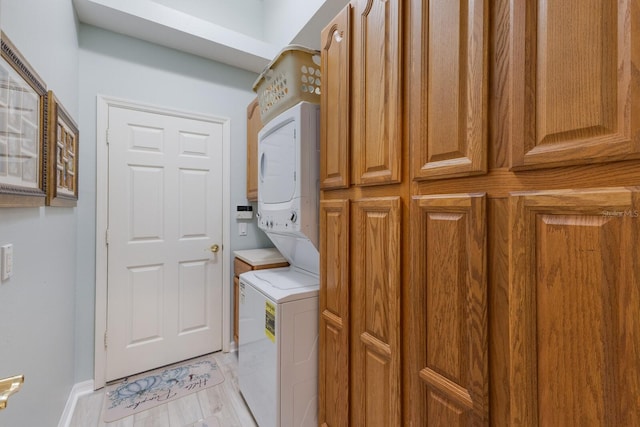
<point>164,290</point>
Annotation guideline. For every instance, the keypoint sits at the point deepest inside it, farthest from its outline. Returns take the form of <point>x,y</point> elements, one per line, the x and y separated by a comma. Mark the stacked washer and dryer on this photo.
<point>278,319</point>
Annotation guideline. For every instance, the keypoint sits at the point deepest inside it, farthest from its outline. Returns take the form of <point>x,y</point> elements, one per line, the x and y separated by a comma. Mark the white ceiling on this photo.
<point>243,33</point>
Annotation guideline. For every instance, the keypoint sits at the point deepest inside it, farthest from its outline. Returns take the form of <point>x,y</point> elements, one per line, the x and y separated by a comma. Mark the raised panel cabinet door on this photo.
<point>334,103</point>
<point>376,91</point>
<point>448,311</point>
<point>573,85</point>
<point>375,312</point>
<point>254,124</point>
<point>448,88</point>
<point>333,361</point>
<point>574,312</point>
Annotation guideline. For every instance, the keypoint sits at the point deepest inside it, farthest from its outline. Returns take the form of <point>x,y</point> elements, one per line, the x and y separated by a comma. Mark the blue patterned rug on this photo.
<point>153,388</point>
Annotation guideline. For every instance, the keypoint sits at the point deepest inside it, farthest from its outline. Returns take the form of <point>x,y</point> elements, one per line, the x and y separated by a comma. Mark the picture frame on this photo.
<point>62,155</point>
<point>23,108</point>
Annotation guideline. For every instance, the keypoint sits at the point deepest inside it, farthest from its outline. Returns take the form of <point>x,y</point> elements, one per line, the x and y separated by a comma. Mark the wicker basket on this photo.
<point>293,76</point>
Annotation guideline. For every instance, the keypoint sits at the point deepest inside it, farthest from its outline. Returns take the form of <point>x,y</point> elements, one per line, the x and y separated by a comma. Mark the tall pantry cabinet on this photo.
<point>480,213</point>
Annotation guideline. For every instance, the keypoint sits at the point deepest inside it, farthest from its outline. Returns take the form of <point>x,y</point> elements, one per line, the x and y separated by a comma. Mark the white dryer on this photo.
<point>289,184</point>
<point>278,308</point>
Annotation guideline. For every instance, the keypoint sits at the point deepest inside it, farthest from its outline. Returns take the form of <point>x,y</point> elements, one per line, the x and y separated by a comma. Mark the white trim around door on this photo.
<point>102,156</point>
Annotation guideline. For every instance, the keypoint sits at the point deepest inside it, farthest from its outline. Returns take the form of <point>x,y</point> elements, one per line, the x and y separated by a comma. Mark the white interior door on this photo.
<point>164,283</point>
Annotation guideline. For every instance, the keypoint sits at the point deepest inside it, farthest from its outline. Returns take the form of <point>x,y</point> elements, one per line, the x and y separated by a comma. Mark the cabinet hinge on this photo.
<point>107,136</point>
<point>106,237</point>
<point>105,340</point>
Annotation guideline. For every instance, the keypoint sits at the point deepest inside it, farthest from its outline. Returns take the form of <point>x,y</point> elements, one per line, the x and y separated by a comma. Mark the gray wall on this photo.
<point>37,305</point>
<point>123,67</point>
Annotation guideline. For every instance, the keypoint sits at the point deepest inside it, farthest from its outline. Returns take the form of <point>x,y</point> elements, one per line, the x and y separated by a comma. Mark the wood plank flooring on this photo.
<point>222,402</point>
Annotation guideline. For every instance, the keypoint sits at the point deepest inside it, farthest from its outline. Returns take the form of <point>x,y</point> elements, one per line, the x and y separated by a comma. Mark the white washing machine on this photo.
<point>278,308</point>
<point>278,349</point>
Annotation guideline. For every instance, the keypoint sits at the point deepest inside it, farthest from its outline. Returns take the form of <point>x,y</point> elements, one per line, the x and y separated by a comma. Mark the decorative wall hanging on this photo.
<point>62,155</point>
<point>22,130</point>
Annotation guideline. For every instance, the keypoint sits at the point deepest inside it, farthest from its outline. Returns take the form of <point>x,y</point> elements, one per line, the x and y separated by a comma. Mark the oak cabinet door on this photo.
<point>254,124</point>
<point>376,91</point>
<point>375,313</point>
<point>575,308</point>
<point>574,84</point>
<point>334,112</point>
<point>449,303</point>
<point>448,88</point>
<point>333,359</point>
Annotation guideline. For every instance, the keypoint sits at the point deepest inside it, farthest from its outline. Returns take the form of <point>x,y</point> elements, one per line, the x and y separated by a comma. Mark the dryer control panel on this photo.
<point>281,221</point>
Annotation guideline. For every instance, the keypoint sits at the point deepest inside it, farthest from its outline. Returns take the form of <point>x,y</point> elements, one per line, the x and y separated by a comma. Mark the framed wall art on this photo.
<point>62,155</point>
<point>23,99</point>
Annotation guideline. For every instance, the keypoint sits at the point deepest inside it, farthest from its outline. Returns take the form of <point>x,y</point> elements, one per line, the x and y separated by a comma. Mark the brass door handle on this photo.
<point>8,386</point>
<point>214,248</point>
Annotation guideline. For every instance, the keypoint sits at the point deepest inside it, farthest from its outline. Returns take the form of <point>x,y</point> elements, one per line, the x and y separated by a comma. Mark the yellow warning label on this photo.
<point>270,321</point>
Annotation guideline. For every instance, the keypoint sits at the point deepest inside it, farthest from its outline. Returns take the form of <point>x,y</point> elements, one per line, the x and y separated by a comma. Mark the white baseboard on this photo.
<point>78,390</point>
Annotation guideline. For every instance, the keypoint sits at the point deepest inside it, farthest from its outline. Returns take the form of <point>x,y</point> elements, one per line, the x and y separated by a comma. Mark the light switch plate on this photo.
<point>242,229</point>
<point>6,259</point>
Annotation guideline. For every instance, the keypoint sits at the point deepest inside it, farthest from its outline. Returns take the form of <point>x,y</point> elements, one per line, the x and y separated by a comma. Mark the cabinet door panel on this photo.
<point>375,363</point>
<point>254,124</point>
<point>449,71</point>
<point>575,308</point>
<point>449,272</point>
<point>573,84</point>
<point>377,124</point>
<point>334,314</point>
<point>335,113</point>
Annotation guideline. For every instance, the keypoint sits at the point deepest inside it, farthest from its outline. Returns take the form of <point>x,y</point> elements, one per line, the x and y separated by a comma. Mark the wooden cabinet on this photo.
<point>334,323</point>
<point>360,355</point>
<point>248,260</point>
<point>376,125</point>
<point>479,261</point>
<point>574,306</point>
<point>254,124</point>
<point>449,307</point>
<point>334,103</point>
<point>573,96</point>
<point>376,286</point>
<point>448,88</point>
<point>239,267</point>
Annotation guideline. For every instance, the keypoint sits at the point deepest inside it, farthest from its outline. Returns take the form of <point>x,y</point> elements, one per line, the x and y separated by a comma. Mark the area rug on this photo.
<point>141,392</point>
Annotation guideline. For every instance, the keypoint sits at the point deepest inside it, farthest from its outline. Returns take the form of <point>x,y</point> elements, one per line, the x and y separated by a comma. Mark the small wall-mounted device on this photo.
<point>244,212</point>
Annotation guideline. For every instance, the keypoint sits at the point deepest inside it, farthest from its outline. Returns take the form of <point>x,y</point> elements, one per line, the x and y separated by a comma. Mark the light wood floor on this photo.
<point>221,403</point>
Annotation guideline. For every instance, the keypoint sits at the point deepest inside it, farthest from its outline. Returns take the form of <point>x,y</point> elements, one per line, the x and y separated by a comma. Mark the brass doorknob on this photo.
<point>214,248</point>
